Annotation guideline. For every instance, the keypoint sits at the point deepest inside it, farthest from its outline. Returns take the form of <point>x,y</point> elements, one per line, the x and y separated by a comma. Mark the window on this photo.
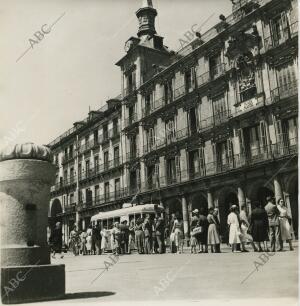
<point>115,127</point>
<point>194,163</point>
<point>71,151</point>
<point>116,156</point>
<point>106,191</point>
<point>79,170</point>
<point>65,175</point>
<point>170,131</point>
<point>97,193</point>
<point>192,120</point>
<point>105,132</point>
<point>133,181</point>
<point>168,92</point>
<point>188,80</point>
<point>96,163</point>
<point>148,105</point>
<point>117,188</point>
<point>201,161</point>
<point>224,155</point>
<point>106,161</point>
<point>72,175</point>
<point>280,29</point>
<point>89,196</point>
<point>215,66</point>
<point>286,79</point>
<point>96,136</point>
<point>173,169</point>
<point>87,168</point>
<point>151,139</point>
<point>133,151</point>
<point>131,115</point>
<point>219,108</point>
<point>72,198</point>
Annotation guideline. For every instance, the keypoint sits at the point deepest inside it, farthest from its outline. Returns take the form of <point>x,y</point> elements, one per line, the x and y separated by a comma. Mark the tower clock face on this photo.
<point>128,45</point>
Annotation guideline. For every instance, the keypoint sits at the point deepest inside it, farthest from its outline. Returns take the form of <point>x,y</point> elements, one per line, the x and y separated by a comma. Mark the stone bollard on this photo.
<point>26,175</point>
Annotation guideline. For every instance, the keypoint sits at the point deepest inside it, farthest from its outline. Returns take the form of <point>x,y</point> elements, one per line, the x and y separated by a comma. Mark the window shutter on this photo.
<point>177,165</point>
<point>193,77</point>
<point>214,151</point>
<point>156,174</point>
<point>229,152</point>
<point>202,161</point>
<point>263,137</point>
<point>134,79</point>
<point>285,26</point>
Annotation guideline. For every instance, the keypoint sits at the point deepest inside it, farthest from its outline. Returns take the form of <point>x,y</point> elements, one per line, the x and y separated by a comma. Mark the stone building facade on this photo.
<point>211,125</point>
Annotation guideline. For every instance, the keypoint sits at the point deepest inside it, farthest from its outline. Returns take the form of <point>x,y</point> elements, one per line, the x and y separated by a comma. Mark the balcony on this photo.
<point>67,158</point>
<point>86,147</point>
<point>217,71</point>
<point>103,138</point>
<point>70,208</point>
<point>157,104</point>
<point>129,90</point>
<point>283,92</point>
<point>132,155</point>
<point>203,79</point>
<point>282,36</point>
<point>179,92</point>
<point>215,120</point>
<point>114,132</point>
<point>246,158</point>
<point>130,120</point>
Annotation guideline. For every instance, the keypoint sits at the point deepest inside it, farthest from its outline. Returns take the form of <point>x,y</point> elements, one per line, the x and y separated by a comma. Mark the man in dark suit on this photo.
<point>274,228</point>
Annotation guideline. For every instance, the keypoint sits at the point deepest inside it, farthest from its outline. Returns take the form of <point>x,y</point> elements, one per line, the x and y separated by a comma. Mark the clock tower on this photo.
<point>146,16</point>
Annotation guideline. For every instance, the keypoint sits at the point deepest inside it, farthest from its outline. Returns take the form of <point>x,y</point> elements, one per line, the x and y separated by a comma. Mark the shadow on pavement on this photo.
<point>87,295</point>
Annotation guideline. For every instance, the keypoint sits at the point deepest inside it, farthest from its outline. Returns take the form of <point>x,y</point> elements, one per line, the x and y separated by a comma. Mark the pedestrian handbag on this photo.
<point>172,237</point>
<point>197,230</point>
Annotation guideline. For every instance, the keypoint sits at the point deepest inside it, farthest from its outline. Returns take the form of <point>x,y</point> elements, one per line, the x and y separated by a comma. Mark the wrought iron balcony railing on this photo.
<point>281,36</point>
<point>130,120</point>
<point>284,91</point>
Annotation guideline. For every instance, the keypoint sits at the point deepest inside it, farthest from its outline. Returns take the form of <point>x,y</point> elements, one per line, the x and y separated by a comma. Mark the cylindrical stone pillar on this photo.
<point>241,197</point>
<point>185,217</point>
<point>210,201</point>
<point>277,189</point>
<point>26,175</point>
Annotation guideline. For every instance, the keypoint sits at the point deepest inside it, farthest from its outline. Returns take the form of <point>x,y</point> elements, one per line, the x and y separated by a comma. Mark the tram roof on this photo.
<point>138,209</point>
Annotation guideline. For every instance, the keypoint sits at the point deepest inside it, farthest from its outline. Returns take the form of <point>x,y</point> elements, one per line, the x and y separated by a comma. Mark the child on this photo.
<point>193,243</point>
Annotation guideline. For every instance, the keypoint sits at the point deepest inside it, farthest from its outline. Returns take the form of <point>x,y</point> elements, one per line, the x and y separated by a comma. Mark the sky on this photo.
<point>71,69</point>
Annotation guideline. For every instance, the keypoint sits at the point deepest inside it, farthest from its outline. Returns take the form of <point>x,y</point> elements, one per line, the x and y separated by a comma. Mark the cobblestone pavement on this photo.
<point>212,277</point>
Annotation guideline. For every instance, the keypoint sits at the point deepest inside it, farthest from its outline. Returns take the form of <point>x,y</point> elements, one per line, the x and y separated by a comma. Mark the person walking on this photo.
<point>124,237</point>
<point>172,240</point>
<point>159,231</point>
<point>234,228</point>
<point>274,227</point>
<point>193,225</point>
<point>178,231</point>
<point>56,240</point>
<point>116,238</point>
<point>139,235</point>
<point>213,238</point>
<point>104,240</point>
<point>74,241</point>
<point>259,226</point>
<point>83,237</point>
<point>97,239</point>
<point>202,238</point>
<point>285,227</point>
<point>244,225</point>
<point>131,239</point>
<point>89,242</point>
<point>147,235</point>
<point>217,221</point>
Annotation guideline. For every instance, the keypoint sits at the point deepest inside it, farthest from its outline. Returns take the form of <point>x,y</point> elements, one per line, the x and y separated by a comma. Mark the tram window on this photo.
<point>104,224</point>
<point>131,217</point>
<point>109,223</point>
<point>117,219</point>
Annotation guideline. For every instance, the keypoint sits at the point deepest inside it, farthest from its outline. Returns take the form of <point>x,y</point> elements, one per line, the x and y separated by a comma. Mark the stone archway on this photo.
<point>260,190</point>
<point>199,200</point>
<point>226,197</point>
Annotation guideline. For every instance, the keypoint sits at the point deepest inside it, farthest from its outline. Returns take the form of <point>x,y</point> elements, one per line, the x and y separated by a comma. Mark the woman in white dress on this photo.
<point>178,231</point>
<point>234,228</point>
<point>285,228</point>
<point>104,240</point>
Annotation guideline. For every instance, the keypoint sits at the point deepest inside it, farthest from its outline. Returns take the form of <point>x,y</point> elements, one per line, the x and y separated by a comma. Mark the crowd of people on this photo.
<point>267,225</point>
